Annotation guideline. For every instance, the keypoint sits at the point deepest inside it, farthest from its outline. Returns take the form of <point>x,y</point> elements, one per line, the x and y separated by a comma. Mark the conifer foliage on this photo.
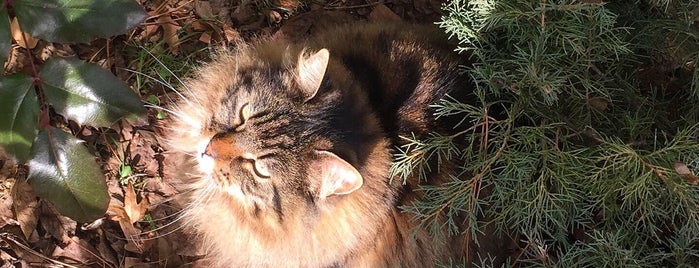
<point>582,136</point>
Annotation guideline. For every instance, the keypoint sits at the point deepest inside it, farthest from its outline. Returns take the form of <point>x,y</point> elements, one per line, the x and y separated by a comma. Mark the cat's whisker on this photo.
<point>172,112</point>
<point>184,86</point>
<point>163,83</point>
<point>180,211</point>
<point>206,194</point>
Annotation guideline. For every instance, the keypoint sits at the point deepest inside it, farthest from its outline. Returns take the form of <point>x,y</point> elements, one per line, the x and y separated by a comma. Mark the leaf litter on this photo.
<point>140,228</point>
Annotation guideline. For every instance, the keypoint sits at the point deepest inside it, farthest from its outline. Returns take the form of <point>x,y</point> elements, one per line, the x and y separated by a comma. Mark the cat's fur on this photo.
<point>294,142</point>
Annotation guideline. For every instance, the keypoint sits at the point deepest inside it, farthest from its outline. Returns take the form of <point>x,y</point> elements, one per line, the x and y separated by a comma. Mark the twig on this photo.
<point>356,6</point>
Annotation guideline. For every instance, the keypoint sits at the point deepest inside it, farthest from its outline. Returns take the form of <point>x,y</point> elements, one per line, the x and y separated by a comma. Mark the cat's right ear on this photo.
<point>310,72</point>
<point>335,175</point>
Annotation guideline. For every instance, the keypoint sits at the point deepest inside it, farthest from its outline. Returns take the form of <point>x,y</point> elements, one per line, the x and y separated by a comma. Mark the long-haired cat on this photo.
<point>293,145</point>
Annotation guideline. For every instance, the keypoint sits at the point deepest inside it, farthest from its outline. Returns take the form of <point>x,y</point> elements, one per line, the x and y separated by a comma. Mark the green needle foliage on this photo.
<point>582,137</point>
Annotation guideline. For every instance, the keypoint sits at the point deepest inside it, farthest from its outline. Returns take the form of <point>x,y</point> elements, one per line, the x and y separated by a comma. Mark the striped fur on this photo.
<point>377,85</point>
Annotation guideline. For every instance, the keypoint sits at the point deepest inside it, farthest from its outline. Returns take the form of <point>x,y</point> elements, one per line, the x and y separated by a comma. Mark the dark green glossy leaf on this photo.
<point>63,172</point>
<point>86,93</point>
<point>77,20</point>
<point>5,37</point>
<point>19,112</point>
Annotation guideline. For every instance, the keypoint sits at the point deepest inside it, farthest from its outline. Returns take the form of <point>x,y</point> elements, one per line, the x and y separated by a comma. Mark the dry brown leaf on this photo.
<point>231,34</point>
<point>597,103</point>
<point>77,251</point>
<point>246,13</point>
<point>205,38</point>
<point>22,251</point>
<point>107,250</point>
<point>4,221</point>
<point>25,207</point>
<point>203,9</point>
<point>686,173</point>
<point>7,259</point>
<point>149,31</point>
<point>170,28</point>
<point>17,36</point>
<point>117,213</point>
<point>6,199</point>
<point>134,210</point>
<point>54,223</point>
<point>383,13</point>
<point>167,253</point>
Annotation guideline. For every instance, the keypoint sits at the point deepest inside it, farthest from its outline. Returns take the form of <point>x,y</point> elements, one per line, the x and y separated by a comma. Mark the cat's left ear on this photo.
<point>335,175</point>
<point>311,70</point>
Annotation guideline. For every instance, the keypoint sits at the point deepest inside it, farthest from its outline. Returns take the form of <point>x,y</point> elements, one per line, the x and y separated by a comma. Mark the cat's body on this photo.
<point>294,143</point>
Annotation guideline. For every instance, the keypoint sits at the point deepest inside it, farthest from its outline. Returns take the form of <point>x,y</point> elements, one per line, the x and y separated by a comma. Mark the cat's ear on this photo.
<point>335,175</point>
<point>311,70</point>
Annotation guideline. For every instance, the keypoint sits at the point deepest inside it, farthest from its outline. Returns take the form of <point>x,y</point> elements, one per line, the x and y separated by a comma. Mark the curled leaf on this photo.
<point>23,39</point>
<point>64,173</point>
<point>686,173</point>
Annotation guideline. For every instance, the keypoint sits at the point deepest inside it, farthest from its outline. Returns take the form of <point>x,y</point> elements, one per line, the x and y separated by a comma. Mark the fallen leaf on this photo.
<point>382,13</point>
<point>597,103</point>
<point>17,36</point>
<point>205,38</point>
<point>107,250</point>
<point>6,201</point>
<point>117,213</point>
<point>25,207</point>
<point>686,173</point>
<point>77,251</point>
<point>134,210</point>
<point>7,259</point>
<point>203,9</point>
<point>245,13</point>
<point>54,223</point>
<point>170,28</point>
<point>23,251</point>
<point>231,34</point>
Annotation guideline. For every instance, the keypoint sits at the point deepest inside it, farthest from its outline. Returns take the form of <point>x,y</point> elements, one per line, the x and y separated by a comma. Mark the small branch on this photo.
<point>44,118</point>
<point>543,14</point>
<point>352,7</point>
<point>656,169</point>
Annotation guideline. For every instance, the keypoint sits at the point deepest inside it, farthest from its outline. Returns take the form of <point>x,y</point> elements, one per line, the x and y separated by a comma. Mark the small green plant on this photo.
<point>61,169</point>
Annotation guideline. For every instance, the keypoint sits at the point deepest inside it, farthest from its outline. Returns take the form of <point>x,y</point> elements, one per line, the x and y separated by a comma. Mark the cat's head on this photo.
<point>279,134</point>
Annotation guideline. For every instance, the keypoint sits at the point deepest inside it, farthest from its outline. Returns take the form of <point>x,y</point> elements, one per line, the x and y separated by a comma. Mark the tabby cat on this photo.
<point>293,144</point>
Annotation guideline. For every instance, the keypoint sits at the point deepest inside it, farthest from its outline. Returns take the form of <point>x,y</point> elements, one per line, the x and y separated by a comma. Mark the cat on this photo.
<point>293,144</point>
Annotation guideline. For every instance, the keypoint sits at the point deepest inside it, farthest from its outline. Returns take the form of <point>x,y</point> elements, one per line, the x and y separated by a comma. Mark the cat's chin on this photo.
<point>205,164</point>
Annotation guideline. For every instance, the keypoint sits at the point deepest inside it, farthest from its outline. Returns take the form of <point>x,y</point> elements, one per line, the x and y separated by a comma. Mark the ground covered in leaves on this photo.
<point>176,37</point>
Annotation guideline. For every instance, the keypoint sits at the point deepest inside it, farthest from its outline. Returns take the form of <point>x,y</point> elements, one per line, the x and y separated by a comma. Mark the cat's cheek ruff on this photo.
<point>235,192</point>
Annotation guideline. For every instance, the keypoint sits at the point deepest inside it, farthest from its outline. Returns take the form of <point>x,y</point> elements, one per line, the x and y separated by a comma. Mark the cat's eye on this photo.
<point>245,113</point>
<point>261,169</point>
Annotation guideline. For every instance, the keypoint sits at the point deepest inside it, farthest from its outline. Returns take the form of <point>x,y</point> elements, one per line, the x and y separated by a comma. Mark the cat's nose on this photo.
<point>226,146</point>
<point>209,151</point>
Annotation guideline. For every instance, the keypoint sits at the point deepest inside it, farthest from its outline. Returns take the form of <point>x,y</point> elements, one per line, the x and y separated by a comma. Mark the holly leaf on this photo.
<point>5,38</point>
<point>64,173</point>
<point>19,112</point>
<point>66,21</point>
<point>86,93</point>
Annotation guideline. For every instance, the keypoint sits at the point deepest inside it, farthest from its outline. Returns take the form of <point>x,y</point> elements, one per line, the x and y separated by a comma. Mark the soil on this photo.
<point>140,226</point>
